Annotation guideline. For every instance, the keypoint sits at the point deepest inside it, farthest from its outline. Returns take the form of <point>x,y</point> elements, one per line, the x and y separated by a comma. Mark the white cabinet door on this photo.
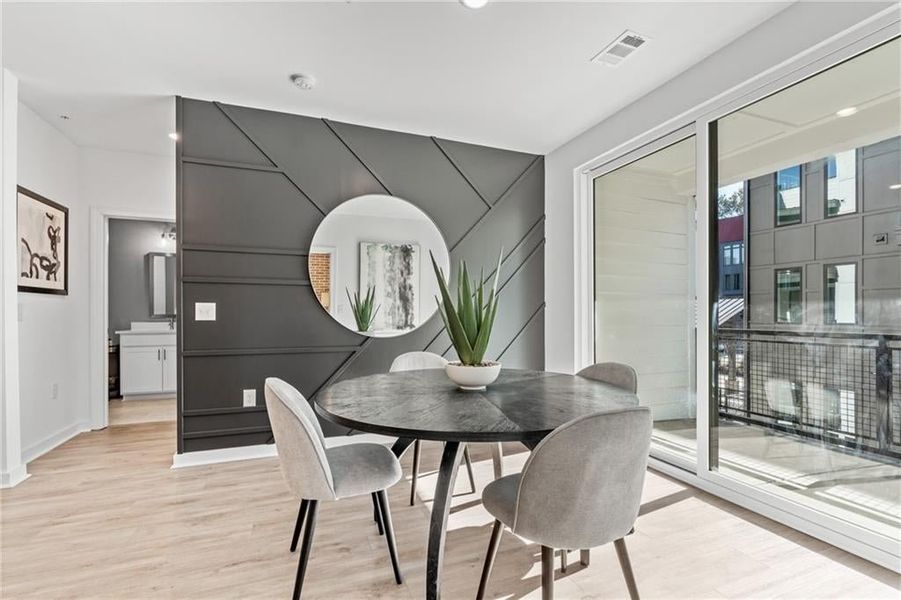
<point>170,369</point>
<point>142,370</point>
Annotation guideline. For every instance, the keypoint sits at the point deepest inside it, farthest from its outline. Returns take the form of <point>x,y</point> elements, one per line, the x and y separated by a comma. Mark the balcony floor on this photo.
<point>860,488</point>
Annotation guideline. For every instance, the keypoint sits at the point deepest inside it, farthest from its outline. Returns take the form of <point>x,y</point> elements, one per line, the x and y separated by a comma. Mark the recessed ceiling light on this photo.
<point>895,186</point>
<point>474,3</point>
<point>846,112</point>
<point>304,82</point>
<point>173,136</point>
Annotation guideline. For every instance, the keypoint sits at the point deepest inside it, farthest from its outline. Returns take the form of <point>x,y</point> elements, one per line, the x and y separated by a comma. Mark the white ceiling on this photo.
<point>513,75</point>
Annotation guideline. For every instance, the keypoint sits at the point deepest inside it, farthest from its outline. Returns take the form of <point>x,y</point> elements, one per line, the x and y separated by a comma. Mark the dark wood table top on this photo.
<point>519,406</point>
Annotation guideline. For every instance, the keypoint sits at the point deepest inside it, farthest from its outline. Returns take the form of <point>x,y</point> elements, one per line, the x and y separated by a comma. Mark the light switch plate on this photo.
<point>204,311</point>
<point>250,398</point>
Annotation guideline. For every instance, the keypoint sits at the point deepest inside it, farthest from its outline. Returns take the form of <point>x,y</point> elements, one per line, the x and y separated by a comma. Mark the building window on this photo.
<point>841,183</point>
<point>841,294</point>
<point>789,305</point>
<point>788,196</point>
<point>732,282</point>
<point>733,254</point>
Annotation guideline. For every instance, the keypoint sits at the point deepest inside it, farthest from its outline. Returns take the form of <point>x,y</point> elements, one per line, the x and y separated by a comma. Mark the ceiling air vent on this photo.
<point>622,47</point>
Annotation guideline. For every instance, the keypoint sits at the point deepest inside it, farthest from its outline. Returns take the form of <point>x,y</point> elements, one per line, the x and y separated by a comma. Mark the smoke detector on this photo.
<point>304,82</point>
<point>620,49</point>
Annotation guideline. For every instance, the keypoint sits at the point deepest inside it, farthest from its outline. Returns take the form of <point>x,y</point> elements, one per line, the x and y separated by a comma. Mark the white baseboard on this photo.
<point>211,457</point>
<point>13,477</point>
<point>47,444</point>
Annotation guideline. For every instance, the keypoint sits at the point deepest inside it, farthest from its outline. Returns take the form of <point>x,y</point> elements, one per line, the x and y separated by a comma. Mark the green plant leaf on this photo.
<point>452,320</point>
<point>465,305</point>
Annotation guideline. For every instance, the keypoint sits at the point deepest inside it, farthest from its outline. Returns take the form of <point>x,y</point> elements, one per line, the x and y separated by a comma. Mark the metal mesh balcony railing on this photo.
<point>840,388</point>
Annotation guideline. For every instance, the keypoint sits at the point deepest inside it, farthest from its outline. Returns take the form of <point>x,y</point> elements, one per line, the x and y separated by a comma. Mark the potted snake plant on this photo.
<point>469,325</point>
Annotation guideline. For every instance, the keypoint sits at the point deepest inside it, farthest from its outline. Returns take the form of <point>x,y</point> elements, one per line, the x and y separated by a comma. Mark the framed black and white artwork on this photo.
<point>393,271</point>
<point>43,237</point>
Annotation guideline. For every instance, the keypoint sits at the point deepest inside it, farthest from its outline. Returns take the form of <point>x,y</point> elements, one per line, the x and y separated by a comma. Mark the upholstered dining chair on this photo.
<point>316,473</point>
<point>580,488</point>
<point>618,375</point>
<point>416,361</point>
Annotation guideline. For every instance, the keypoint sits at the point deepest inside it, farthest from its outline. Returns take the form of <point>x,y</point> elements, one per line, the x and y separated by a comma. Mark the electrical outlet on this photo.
<point>250,398</point>
<point>54,391</point>
<point>204,311</point>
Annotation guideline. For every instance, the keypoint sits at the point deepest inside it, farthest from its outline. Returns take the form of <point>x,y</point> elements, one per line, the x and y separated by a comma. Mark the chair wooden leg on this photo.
<point>493,544</point>
<point>563,558</point>
<point>497,458</point>
<point>377,514</point>
<point>301,513</point>
<point>626,565</point>
<point>547,573</point>
<point>472,479</point>
<point>585,557</point>
<point>389,534</point>
<point>417,447</point>
<point>306,546</point>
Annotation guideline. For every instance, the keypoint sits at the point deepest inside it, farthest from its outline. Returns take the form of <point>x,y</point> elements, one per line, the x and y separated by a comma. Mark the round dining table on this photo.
<point>521,406</point>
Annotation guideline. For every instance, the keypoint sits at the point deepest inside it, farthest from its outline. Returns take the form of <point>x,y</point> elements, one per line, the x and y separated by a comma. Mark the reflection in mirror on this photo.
<point>367,264</point>
<point>161,270</point>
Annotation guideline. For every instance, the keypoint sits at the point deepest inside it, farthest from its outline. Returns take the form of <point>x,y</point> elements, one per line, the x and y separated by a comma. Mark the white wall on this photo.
<point>12,468</point>
<point>53,367</point>
<point>800,28</point>
<point>54,331</point>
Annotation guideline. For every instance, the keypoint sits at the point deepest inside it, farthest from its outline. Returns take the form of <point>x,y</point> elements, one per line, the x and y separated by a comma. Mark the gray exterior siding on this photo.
<point>818,241</point>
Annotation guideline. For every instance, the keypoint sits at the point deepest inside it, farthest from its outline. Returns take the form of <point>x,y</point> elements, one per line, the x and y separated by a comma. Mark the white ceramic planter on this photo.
<point>472,378</point>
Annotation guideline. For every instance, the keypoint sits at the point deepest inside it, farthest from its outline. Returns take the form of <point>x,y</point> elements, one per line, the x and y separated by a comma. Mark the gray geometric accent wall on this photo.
<point>253,186</point>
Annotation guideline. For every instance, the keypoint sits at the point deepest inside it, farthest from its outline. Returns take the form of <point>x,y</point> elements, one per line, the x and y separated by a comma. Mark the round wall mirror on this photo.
<point>370,268</point>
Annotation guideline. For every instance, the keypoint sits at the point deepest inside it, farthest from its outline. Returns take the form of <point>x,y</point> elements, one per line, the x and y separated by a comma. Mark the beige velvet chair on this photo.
<point>416,361</point>
<point>580,488</point>
<point>315,472</point>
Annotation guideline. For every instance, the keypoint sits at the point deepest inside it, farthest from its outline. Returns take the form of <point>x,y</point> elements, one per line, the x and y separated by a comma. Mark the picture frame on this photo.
<point>392,270</point>
<point>42,232</point>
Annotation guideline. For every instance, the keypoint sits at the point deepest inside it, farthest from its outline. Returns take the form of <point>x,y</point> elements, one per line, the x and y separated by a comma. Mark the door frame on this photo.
<point>98,401</point>
<point>854,538</point>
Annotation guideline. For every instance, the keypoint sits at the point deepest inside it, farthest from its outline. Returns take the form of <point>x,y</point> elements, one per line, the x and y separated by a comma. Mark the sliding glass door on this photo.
<point>806,319</point>
<point>644,263</point>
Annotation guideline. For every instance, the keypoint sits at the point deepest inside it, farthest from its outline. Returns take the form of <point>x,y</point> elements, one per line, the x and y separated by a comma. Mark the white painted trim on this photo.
<point>52,441</point>
<point>212,457</point>
<point>14,477</point>
<point>812,523</point>
<point>12,468</point>
<point>99,303</point>
<point>223,455</point>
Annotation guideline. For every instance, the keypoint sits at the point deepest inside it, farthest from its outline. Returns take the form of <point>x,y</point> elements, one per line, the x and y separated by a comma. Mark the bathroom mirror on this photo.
<point>161,272</point>
<point>369,265</point>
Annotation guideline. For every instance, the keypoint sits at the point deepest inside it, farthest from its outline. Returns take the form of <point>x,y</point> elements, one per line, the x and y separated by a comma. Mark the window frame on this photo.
<point>826,292</point>
<point>801,189</point>
<point>857,186</point>
<point>776,271</point>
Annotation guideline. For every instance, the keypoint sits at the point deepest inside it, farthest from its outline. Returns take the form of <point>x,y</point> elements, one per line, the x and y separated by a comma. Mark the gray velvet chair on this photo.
<point>617,374</point>
<point>580,488</point>
<point>315,472</point>
<point>416,361</point>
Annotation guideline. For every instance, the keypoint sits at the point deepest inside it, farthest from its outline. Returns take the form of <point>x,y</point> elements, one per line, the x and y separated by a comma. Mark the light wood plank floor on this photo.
<point>103,516</point>
<point>130,412</point>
